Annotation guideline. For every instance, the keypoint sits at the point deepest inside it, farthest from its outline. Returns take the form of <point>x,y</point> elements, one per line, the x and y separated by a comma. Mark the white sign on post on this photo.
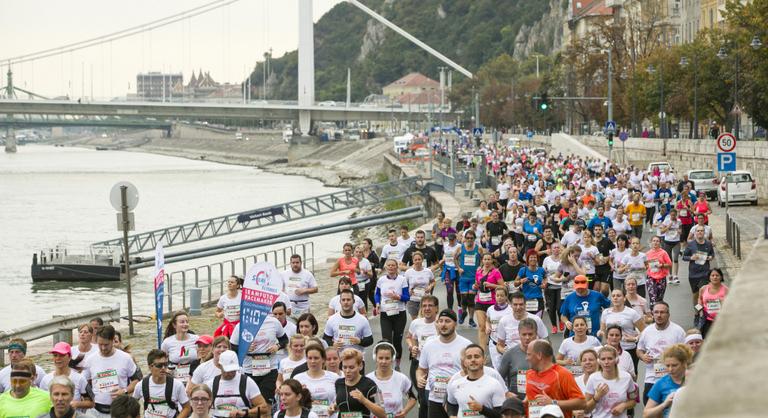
<point>726,142</point>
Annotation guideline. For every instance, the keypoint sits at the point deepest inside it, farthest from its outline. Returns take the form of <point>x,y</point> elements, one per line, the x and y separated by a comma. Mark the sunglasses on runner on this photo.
<point>160,365</point>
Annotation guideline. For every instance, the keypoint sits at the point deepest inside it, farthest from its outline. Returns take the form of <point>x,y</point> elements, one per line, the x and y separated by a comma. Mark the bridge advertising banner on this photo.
<point>159,289</point>
<point>262,286</point>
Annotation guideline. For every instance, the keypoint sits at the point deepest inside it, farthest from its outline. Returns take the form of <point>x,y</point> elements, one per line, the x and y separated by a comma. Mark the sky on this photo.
<point>227,41</point>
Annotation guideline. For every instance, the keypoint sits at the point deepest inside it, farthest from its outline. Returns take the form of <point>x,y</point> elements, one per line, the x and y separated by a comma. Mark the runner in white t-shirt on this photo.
<point>227,393</point>
<point>610,392</point>
<point>299,283</point>
<point>334,305</point>
<point>653,340</point>
<point>156,405</point>
<point>395,388</point>
<point>319,382</point>
<point>180,346</point>
<point>477,392</point>
<point>110,372</point>
<point>347,328</point>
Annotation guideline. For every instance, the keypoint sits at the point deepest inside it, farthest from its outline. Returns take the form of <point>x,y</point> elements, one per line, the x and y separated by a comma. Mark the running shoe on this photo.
<point>674,280</point>
<point>554,329</point>
<point>562,327</point>
<point>472,323</point>
<point>462,316</point>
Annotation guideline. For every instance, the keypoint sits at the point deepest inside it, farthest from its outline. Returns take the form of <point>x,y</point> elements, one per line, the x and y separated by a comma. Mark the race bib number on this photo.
<point>511,287</point>
<point>294,283</point>
<point>181,372</point>
<point>496,240</point>
<point>469,413</point>
<point>439,387</point>
<point>232,313</point>
<point>321,408</point>
<point>532,238</point>
<point>586,316</point>
<point>469,260</point>
<point>261,365</point>
<point>345,333</point>
<point>683,213</point>
<point>106,381</point>
<point>713,306</point>
<point>654,265</point>
<point>419,292</point>
<point>532,305</point>
<point>635,217</point>
<point>534,409</point>
<point>520,381</point>
<point>484,297</point>
<point>391,307</point>
<point>701,257</point>
<point>351,414</point>
<point>659,369</point>
<point>157,410</point>
<point>576,371</point>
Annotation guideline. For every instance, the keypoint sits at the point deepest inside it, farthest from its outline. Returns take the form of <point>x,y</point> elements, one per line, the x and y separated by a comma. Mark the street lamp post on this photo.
<point>662,129</point>
<point>684,63</point>
<point>756,44</point>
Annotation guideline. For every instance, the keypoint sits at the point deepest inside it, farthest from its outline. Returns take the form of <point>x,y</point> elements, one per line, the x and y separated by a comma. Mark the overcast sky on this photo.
<point>226,41</point>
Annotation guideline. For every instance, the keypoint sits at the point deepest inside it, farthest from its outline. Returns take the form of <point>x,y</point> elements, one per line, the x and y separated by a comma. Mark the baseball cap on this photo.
<point>62,348</point>
<point>448,313</point>
<point>204,340</point>
<point>552,411</point>
<point>513,405</point>
<point>228,361</point>
<point>580,282</point>
<point>581,223</point>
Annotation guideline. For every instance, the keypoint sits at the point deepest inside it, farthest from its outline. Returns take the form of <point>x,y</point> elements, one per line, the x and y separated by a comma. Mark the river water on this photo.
<point>51,195</point>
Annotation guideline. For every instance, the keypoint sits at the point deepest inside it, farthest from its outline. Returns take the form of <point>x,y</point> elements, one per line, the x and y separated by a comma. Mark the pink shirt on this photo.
<point>712,303</point>
<point>493,277</point>
<point>657,257</point>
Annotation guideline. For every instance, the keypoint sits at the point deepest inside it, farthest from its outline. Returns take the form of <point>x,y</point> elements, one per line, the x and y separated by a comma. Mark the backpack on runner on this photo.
<point>304,413</point>
<point>168,395</point>
<point>241,389</point>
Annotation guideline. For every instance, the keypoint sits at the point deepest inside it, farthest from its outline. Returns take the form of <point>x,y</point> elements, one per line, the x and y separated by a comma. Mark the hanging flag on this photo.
<point>159,288</point>
<point>260,291</point>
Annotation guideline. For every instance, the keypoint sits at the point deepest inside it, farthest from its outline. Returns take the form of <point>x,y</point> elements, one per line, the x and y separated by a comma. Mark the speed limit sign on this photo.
<point>726,142</point>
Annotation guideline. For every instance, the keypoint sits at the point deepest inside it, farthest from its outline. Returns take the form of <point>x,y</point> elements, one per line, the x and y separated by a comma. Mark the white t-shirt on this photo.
<point>673,233</point>
<point>108,373</point>
<point>180,354</point>
<point>418,281</point>
<point>228,397</point>
<point>623,226</point>
<point>507,330</point>
<point>341,328</point>
<point>365,266</point>
<point>394,252</point>
<point>323,391</point>
<point>5,376</point>
<point>485,390</point>
<point>76,352</point>
<point>304,279</point>
<point>616,256</point>
<point>503,189</point>
<point>572,350</point>
<point>570,238</point>
<point>286,366</point>
<point>393,390</point>
<point>230,306</point>
<point>405,242</point>
<point>626,319</point>
<point>636,265</point>
<point>442,361</point>
<point>551,265</point>
<point>653,342</point>
<point>386,286</point>
<point>335,304</point>
<point>494,317</point>
<point>77,379</point>
<point>157,393</point>
<point>205,372</point>
<point>448,253</point>
<point>259,362</point>
<point>421,330</point>
<point>587,258</point>
<point>619,390</point>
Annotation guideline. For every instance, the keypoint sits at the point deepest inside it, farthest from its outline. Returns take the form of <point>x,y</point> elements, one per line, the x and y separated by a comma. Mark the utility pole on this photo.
<point>610,86</point>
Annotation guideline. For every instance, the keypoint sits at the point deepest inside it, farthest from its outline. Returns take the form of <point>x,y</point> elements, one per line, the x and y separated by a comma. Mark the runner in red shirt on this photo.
<point>547,383</point>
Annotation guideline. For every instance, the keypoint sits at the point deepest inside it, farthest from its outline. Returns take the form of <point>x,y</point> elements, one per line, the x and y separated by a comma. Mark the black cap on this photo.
<point>449,313</point>
<point>581,223</point>
<point>513,405</point>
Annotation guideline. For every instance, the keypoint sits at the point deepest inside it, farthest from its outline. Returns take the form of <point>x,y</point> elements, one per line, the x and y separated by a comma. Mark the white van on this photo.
<point>401,143</point>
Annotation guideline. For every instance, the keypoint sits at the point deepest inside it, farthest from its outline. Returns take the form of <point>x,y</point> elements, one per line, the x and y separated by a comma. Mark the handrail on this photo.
<point>211,277</point>
<point>59,324</point>
<point>733,235</point>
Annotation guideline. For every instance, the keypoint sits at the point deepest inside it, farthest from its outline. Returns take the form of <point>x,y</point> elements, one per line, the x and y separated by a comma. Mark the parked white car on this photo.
<point>741,188</point>
<point>704,180</point>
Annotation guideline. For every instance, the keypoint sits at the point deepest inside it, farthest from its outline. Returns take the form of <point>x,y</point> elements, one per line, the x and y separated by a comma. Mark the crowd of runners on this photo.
<point>582,248</point>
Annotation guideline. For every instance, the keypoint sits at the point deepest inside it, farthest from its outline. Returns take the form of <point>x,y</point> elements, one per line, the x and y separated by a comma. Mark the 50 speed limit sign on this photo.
<point>726,142</point>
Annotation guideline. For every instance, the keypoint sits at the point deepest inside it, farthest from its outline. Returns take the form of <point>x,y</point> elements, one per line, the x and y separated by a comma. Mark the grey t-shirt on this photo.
<point>514,363</point>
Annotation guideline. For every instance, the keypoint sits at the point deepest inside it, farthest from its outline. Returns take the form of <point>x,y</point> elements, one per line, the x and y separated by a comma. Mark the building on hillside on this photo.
<point>413,83</point>
<point>584,16</point>
<point>159,86</point>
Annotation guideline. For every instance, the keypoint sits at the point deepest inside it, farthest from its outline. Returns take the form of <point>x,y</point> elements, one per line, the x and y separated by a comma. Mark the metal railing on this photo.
<point>212,276</point>
<point>446,181</point>
<point>60,326</point>
<point>733,235</point>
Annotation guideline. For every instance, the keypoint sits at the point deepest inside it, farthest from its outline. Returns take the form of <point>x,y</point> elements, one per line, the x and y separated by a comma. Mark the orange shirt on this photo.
<point>635,213</point>
<point>588,198</point>
<point>556,382</point>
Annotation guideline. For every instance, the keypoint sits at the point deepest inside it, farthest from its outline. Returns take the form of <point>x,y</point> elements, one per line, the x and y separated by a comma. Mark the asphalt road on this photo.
<point>679,298</point>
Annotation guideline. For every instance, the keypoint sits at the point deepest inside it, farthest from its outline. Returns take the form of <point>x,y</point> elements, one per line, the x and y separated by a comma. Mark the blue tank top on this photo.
<point>469,261</point>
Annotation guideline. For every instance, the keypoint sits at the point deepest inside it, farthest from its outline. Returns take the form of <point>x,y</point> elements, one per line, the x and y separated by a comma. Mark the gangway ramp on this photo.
<point>356,197</point>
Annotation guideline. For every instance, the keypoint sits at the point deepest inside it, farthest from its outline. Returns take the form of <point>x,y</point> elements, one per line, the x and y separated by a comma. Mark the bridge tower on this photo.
<point>306,65</point>
<point>10,134</point>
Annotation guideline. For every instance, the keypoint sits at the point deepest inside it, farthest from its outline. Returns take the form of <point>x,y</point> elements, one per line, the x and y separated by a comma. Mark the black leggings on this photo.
<point>649,212</point>
<point>635,359</point>
<point>392,328</point>
<point>553,304</point>
<point>362,292</point>
<point>421,392</point>
<point>436,410</point>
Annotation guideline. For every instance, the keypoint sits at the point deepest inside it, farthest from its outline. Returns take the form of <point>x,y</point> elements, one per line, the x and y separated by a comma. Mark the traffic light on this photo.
<point>544,105</point>
<point>610,139</point>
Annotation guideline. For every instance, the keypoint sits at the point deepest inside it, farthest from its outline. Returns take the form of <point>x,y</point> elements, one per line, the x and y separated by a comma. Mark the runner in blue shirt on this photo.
<point>583,302</point>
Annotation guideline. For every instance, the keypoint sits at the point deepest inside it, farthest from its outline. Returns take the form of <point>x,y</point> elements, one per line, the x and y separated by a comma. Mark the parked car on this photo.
<point>704,180</point>
<point>741,188</point>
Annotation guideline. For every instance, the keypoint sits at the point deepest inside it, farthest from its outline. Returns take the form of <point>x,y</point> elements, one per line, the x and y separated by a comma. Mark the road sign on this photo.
<point>726,142</point>
<point>131,196</point>
<point>478,131</point>
<point>610,126</point>
<point>726,161</point>
<point>624,136</point>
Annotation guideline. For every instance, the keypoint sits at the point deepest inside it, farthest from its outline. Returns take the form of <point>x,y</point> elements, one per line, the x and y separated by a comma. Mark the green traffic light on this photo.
<point>544,106</point>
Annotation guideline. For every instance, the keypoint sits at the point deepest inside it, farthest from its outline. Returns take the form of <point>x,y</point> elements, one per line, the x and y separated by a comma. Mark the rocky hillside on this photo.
<point>470,32</point>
